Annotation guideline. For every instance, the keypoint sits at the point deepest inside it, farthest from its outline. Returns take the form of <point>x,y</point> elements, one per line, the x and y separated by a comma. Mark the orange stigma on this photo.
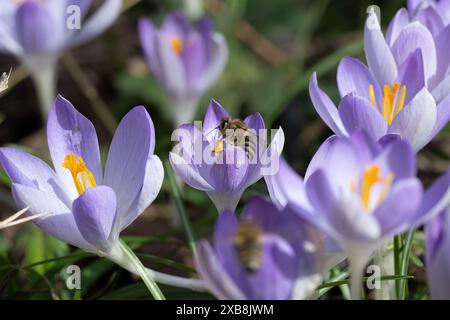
<point>177,45</point>
<point>371,177</point>
<point>82,177</point>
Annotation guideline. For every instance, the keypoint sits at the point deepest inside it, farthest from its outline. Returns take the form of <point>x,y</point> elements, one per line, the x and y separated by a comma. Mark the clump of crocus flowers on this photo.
<point>359,191</point>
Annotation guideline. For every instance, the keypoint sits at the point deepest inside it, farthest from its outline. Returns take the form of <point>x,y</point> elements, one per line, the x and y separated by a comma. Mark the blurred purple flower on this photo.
<point>438,256</point>
<point>269,255</point>
<point>87,208</point>
<point>392,94</point>
<point>186,58</point>
<point>362,194</point>
<point>37,32</point>
<point>32,28</point>
<point>206,161</point>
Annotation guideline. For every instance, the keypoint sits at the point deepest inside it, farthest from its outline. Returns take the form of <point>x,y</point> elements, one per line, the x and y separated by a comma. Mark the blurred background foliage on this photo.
<point>274,48</point>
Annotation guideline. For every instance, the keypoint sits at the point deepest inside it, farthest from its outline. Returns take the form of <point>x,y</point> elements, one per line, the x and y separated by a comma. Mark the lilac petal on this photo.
<point>437,256</point>
<point>205,27</point>
<point>431,19</point>
<point>398,158</point>
<point>255,121</point>
<point>176,24</point>
<point>443,59</point>
<point>98,22</point>
<point>339,159</point>
<point>321,193</point>
<point>229,178</point>
<point>359,114</point>
<point>216,278</point>
<point>35,28</point>
<point>218,61</point>
<point>60,224</point>
<point>147,35</point>
<point>286,186</point>
<point>263,212</point>
<point>412,75</point>
<point>442,89</point>
<point>30,171</point>
<point>388,139</point>
<point>396,213</point>
<point>416,121</point>
<point>378,55</point>
<point>416,36</point>
<point>325,107</point>
<point>127,158</point>
<point>153,179</point>
<point>94,212</point>
<point>194,59</point>
<point>400,21</point>
<point>171,69</point>
<point>442,118</point>
<point>68,131</point>
<point>354,77</point>
<point>214,115</point>
<point>188,173</point>
<point>413,5</point>
<point>435,200</point>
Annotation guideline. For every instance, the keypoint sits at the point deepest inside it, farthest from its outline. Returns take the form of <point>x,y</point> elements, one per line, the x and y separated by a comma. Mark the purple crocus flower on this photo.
<point>425,24</point>
<point>36,32</point>
<point>362,194</point>
<point>268,254</point>
<point>438,256</point>
<point>85,206</point>
<point>391,94</point>
<point>207,161</point>
<point>186,58</point>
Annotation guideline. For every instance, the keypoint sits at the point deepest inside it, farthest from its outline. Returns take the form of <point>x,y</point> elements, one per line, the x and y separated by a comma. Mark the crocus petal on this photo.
<point>229,178</point>
<point>397,158</point>
<point>417,120</point>
<point>435,200</point>
<point>35,28</point>
<point>286,186</point>
<point>396,25</point>
<point>359,114</point>
<point>172,73</point>
<point>214,115</point>
<point>218,61</point>
<point>101,20</point>
<point>416,36</point>
<point>147,35</point>
<point>94,212</point>
<point>127,158</point>
<point>188,173</point>
<point>60,224</point>
<point>431,19</point>
<point>255,121</point>
<point>325,107</point>
<point>30,171</point>
<point>218,281</point>
<point>194,59</point>
<point>397,211</point>
<point>437,256</point>
<point>412,75</point>
<point>378,55</point>
<point>413,5</point>
<point>353,76</point>
<point>68,131</point>
<point>176,24</point>
<point>443,116</point>
<point>443,60</point>
<point>153,179</point>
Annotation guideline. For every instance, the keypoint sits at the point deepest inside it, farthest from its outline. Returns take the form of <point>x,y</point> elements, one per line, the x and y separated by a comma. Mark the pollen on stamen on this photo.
<point>177,45</point>
<point>82,177</point>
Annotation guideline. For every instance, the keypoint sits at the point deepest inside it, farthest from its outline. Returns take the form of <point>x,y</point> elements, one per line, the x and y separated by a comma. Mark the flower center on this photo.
<point>393,100</point>
<point>370,179</point>
<point>248,242</point>
<point>82,177</point>
<point>177,45</point>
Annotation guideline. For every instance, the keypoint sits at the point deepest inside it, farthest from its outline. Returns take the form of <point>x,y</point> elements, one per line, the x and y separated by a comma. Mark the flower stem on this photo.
<point>140,269</point>
<point>44,74</point>
<point>357,264</point>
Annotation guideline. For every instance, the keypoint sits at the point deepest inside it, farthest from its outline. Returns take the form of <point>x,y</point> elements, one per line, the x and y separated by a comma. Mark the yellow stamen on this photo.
<point>373,100</point>
<point>218,149</point>
<point>393,100</point>
<point>177,45</point>
<point>82,177</point>
<point>370,178</point>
